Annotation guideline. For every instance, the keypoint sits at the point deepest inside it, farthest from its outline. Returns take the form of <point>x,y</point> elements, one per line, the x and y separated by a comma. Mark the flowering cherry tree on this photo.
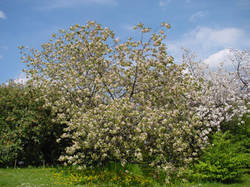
<point>124,101</point>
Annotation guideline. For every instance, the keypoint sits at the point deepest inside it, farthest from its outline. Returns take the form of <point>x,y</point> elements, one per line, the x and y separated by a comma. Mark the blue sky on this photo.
<point>208,27</point>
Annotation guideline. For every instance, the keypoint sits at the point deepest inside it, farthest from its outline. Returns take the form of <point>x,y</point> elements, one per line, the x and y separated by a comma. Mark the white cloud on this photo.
<point>221,57</point>
<point>196,16</point>
<point>163,3</point>
<point>204,41</point>
<point>53,4</point>
<point>21,78</point>
<point>2,15</point>
<point>228,60</point>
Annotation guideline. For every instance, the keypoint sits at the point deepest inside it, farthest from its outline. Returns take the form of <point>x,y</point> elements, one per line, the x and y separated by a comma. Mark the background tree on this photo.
<point>26,128</point>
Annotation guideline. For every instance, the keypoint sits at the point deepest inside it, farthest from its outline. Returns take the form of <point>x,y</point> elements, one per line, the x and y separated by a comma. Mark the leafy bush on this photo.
<point>239,132</point>
<point>8,152</point>
<point>26,128</point>
<point>223,160</point>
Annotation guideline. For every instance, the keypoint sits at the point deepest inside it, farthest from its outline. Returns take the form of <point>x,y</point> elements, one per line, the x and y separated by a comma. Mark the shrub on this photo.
<point>26,128</point>
<point>223,160</point>
<point>239,132</point>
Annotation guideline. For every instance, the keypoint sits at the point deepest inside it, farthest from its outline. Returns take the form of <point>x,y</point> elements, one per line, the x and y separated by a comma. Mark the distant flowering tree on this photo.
<point>241,62</point>
<point>122,101</point>
<point>225,94</point>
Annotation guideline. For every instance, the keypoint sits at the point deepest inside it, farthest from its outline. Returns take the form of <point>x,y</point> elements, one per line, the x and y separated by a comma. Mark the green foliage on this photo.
<point>239,132</point>
<point>26,129</point>
<point>8,152</point>
<point>225,160</point>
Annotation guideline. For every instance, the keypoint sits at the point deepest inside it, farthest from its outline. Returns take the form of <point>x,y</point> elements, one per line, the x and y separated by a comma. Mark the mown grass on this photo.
<point>27,177</point>
<point>34,177</point>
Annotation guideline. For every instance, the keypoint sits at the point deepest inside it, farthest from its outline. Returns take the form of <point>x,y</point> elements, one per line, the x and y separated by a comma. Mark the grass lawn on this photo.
<point>36,177</point>
<point>27,177</point>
